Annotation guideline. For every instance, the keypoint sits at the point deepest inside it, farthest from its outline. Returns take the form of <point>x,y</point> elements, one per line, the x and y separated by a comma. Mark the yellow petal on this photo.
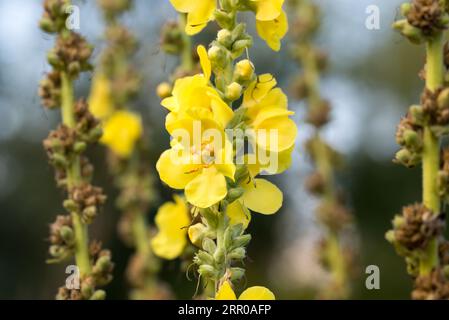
<point>198,18</point>
<point>258,89</point>
<point>204,61</point>
<point>175,170</point>
<point>257,293</point>
<point>168,247</point>
<point>262,196</point>
<point>225,292</point>
<point>183,5</point>
<point>275,134</point>
<point>237,214</point>
<point>268,9</point>
<point>100,100</point>
<point>121,131</point>
<point>207,189</point>
<point>272,31</point>
<point>196,234</point>
<point>171,220</point>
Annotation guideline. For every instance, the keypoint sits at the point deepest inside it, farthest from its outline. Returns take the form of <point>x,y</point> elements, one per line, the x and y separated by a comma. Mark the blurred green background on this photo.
<point>371,82</point>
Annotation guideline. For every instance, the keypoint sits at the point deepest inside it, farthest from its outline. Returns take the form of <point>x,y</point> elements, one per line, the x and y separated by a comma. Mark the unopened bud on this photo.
<point>98,295</point>
<point>206,271</point>
<point>234,194</point>
<point>390,236</point>
<point>244,70</point>
<point>398,221</point>
<point>417,114</point>
<point>233,91</point>
<point>412,139</point>
<point>242,240</point>
<point>443,99</point>
<point>217,56</point>
<point>405,8</point>
<point>237,254</point>
<point>196,233</point>
<point>164,90</point>
<point>203,257</point>
<point>219,255</point>
<point>67,234</point>
<point>209,245</point>
<point>237,274</point>
<point>224,37</point>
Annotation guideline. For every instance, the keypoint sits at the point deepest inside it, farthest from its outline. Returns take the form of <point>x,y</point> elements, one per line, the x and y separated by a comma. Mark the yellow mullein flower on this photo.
<point>121,131</point>
<point>267,10</point>
<point>194,98</point>
<point>272,31</point>
<point>199,167</point>
<point>199,13</point>
<point>100,100</point>
<point>267,114</point>
<point>271,21</point>
<point>172,218</point>
<point>254,293</point>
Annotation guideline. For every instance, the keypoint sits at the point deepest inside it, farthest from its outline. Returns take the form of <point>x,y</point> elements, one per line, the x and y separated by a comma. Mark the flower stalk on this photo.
<point>418,234</point>
<point>115,85</point>
<point>65,147</point>
<point>219,188</point>
<point>336,255</point>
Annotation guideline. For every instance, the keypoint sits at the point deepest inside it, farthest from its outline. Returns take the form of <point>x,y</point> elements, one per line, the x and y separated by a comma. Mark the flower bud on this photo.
<point>412,140</point>
<point>241,241</point>
<point>219,255</point>
<point>98,295</point>
<point>233,91</point>
<point>244,70</point>
<point>79,147</point>
<point>217,56</point>
<point>209,245</point>
<point>412,33</point>
<point>417,114</point>
<point>237,254</point>
<point>237,274</point>
<point>206,271</point>
<point>390,236</point>
<point>203,257</point>
<point>67,234</point>
<point>224,37</point>
<point>70,205</point>
<point>398,221</point>
<point>240,45</point>
<point>405,8</point>
<point>234,194</point>
<point>443,99</point>
<point>164,90</point>
<point>196,233</point>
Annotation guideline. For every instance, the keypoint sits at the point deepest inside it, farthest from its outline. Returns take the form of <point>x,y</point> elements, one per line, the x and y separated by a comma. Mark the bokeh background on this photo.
<point>371,82</point>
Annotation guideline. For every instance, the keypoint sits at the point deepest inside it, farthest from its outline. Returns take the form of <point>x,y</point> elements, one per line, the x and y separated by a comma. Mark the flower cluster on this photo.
<point>116,82</point>
<point>336,255</point>
<point>218,150</point>
<point>65,148</point>
<point>271,20</point>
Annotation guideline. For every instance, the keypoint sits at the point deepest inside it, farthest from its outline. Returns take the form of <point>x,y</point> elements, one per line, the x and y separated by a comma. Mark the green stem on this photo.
<point>74,178</point>
<point>186,54</point>
<point>431,151</point>
<point>221,228</point>
<point>140,234</point>
<point>337,263</point>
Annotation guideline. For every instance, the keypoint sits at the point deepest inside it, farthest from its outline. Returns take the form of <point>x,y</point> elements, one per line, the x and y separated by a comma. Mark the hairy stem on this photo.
<point>74,179</point>
<point>186,54</point>
<point>431,151</point>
